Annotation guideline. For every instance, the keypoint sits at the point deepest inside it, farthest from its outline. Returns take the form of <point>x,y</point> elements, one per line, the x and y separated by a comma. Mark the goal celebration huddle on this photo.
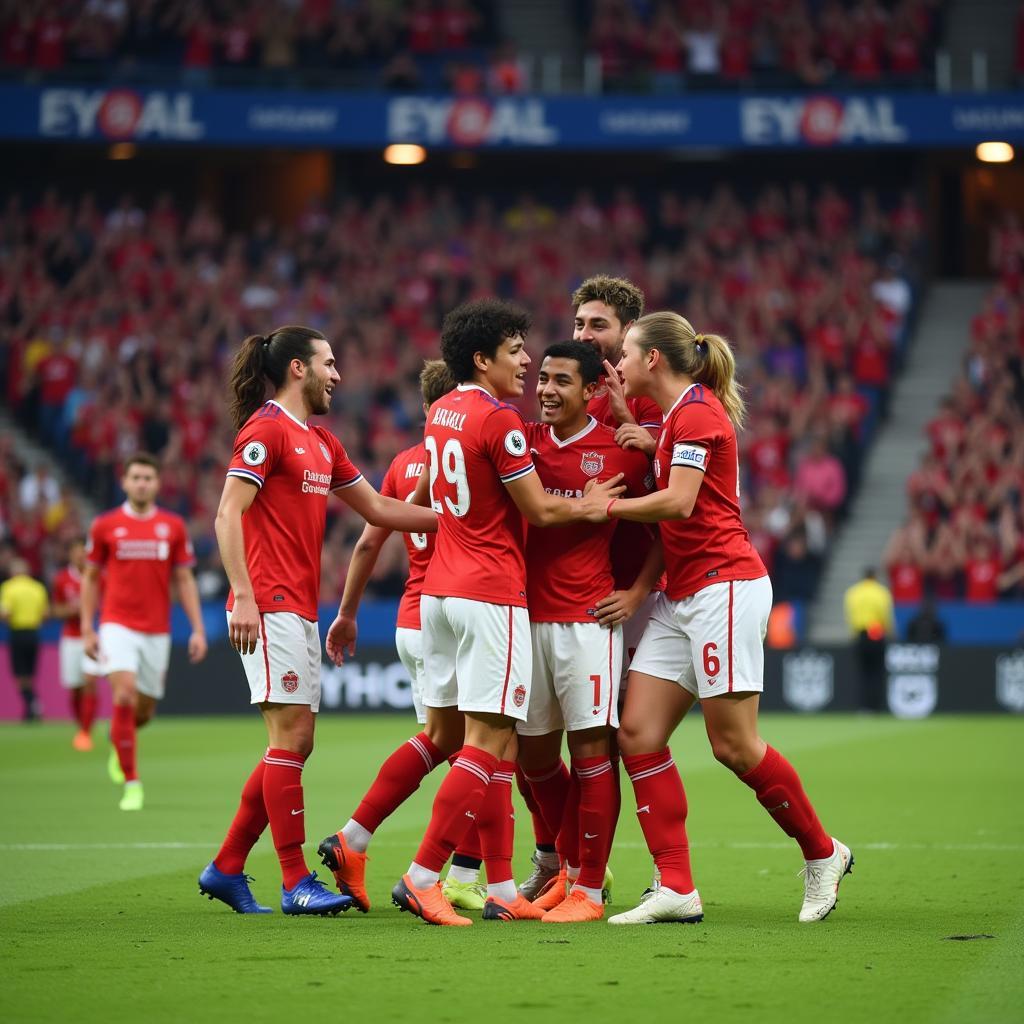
<point>580,574</point>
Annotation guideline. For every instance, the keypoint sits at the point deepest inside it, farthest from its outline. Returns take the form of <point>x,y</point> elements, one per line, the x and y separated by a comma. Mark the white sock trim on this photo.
<point>356,836</point>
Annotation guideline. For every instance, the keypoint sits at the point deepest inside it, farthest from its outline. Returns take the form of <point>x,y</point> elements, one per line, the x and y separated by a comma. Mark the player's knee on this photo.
<point>729,751</point>
<point>634,737</point>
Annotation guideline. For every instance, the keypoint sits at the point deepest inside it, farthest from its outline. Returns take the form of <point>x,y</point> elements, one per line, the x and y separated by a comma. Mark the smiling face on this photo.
<point>562,394</point>
<point>320,379</point>
<point>504,373</point>
<point>599,325</point>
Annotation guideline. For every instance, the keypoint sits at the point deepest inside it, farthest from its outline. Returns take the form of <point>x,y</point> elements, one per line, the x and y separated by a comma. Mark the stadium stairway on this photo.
<point>988,26</point>
<point>935,356</point>
<point>543,31</point>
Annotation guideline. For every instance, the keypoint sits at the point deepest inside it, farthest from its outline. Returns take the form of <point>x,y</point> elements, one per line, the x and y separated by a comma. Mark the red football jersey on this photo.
<point>712,546</point>
<point>569,568</point>
<point>67,586</point>
<point>632,540</point>
<point>296,466</point>
<point>138,554</point>
<point>400,482</point>
<point>475,446</point>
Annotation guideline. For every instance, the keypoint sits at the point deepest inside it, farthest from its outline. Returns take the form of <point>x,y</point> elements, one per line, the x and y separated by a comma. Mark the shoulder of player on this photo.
<point>263,425</point>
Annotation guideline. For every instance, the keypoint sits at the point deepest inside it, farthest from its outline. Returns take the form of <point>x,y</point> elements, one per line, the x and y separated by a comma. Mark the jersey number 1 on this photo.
<point>452,463</point>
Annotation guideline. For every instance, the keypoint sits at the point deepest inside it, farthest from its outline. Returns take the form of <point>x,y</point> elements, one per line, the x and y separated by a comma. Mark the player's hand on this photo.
<point>197,647</point>
<point>91,644</point>
<point>341,638</point>
<point>618,606</point>
<point>632,435</point>
<point>597,495</point>
<point>616,394</point>
<point>244,627</point>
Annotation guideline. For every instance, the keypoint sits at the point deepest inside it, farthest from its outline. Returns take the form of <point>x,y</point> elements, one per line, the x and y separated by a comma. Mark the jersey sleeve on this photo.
<point>182,552</point>
<point>96,548</point>
<point>343,473</point>
<point>258,447</point>
<point>503,438</point>
<point>695,430</point>
<point>639,476</point>
<point>647,413</point>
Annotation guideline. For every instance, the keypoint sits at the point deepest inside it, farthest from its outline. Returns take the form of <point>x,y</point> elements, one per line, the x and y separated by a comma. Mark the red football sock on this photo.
<point>87,711</point>
<point>75,699</point>
<point>569,831</point>
<point>597,811</point>
<point>399,777</point>
<point>456,805</point>
<point>495,822</point>
<point>661,811</point>
<point>543,833</point>
<point>549,787</point>
<point>282,797</point>
<point>780,792</point>
<point>122,735</point>
<point>248,825</point>
<point>469,846</point>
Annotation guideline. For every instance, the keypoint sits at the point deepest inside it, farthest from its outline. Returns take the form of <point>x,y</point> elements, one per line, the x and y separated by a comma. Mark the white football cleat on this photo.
<point>821,883</point>
<point>663,906</point>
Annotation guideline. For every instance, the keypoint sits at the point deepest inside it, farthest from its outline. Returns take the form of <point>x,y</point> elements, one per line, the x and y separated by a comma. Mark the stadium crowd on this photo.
<point>964,535</point>
<point>117,325</point>
<point>692,44</point>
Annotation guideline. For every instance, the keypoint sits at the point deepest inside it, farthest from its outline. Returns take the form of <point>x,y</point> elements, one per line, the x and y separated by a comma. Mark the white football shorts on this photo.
<point>711,642</point>
<point>632,630</point>
<point>409,644</point>
<point>74,665</point>
<point>476,656</point>
<point>576,672</point>
<point>285,667</point>
<point>146,655</point>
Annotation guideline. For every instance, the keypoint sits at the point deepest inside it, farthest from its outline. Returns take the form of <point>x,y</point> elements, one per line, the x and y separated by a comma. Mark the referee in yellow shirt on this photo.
<point>24,606</point>
<point>869,615</point>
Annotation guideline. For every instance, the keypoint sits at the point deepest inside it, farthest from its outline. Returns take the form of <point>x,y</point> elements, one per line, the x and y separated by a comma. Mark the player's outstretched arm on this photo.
<point>87,602</point>
<point>676,501</point>
<point>620,605</point>
<point>188,595</point>
<point>390,513</point>
<point>343,632</point>
<point>543,509</point>
<point>235,500</point>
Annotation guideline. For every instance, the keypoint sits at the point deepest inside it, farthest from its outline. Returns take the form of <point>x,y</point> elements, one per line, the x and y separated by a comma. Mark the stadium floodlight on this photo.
<point>405,153</point>
<point>994,152</point>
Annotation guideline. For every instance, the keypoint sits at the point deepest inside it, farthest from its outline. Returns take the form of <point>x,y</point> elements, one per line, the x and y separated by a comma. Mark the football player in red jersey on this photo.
<point>402,772</point>
<point>576,661</point>
<point>141,550</point>
<point>78,674</point>
<point>270,529</point>
<point>705,638</point>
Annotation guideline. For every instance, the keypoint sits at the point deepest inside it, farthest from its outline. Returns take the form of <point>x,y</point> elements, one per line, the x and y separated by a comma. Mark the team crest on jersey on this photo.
<point>255,453</point>
<point>290,681</point>
<point>515,442</point>
<point>325,451</point>
<point>519,696</point>
<point>162,530</point>
<point>592,463</point>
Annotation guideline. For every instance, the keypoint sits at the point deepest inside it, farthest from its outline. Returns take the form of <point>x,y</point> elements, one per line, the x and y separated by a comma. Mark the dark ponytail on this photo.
<point>263,360</point>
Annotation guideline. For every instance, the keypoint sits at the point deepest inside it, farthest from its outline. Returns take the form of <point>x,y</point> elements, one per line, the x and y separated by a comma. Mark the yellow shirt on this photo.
<point>869,608</point>
<point>24,602</point>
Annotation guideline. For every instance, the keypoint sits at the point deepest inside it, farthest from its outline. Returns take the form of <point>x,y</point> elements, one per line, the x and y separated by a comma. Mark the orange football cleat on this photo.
<point>577,906</point>
<point>82,741</point>
<point>348,868</point>
<point>554,893</point>
<point>519,909</point>
<point>429,904</point>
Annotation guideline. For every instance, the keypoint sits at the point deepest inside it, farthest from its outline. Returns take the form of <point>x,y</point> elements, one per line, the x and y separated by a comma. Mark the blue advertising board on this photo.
<point>355,120</point>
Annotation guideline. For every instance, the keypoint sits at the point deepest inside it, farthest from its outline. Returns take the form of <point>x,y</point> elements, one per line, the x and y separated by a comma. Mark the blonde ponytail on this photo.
<point>718,372</point>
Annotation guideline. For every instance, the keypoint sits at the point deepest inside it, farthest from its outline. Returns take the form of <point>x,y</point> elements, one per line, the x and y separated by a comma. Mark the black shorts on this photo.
<point>24,651</point>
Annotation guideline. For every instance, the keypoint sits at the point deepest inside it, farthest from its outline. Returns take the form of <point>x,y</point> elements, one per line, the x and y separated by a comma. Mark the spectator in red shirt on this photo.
<point>51,36</point>
<point>981,573</point>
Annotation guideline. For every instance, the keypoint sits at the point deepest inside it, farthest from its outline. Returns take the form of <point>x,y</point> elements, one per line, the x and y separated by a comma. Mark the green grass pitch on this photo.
<point>101,920</point>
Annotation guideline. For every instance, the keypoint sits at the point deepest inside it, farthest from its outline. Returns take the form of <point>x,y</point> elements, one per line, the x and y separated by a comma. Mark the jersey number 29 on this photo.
<point>452,463</point>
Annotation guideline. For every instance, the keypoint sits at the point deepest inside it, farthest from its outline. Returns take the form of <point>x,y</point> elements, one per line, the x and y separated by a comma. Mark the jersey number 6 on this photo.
<point>452,463</point>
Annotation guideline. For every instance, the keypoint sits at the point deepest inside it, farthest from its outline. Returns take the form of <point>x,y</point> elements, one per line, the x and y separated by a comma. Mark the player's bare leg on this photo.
<point>731,723</point>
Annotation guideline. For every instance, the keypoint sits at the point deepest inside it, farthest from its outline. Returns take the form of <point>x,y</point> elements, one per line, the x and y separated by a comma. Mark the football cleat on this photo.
<point>577,906</point>
<point>428,904</point>
<point>539,879</point>
<point>519,909</point>
<point>311,896</point>
<point>82,741</point>
<point>663,906</point>
<point>821,883</point>
<point>555,891</point>
<point>230,889</point>
<point>348,868</point>
<point>114,768</point>
<point>131,800</point>
<point>464,895</point>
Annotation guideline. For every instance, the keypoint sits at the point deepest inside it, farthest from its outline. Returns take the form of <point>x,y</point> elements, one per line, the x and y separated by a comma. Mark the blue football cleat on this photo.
<point>311,896</point>
<point>230,889</point>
